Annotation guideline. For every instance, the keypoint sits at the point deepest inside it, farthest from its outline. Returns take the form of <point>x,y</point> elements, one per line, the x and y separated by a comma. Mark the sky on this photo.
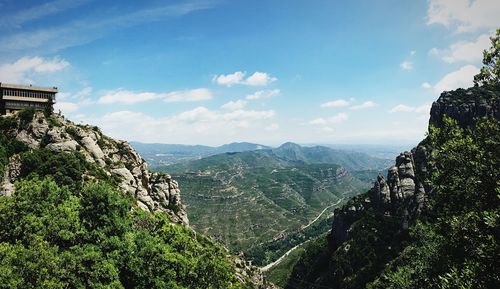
<point>265,71</point>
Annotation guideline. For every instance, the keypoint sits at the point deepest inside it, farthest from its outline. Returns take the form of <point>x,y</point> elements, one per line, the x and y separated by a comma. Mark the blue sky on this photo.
<point>213,72</point>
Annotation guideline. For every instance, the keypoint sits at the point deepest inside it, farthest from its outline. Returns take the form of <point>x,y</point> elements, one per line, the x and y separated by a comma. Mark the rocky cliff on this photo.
<point>152,191</point>
<point>404,192</point>
<point>464,105</point>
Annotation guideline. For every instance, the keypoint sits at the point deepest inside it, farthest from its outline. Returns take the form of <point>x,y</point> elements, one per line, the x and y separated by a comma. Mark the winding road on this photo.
<point>270,265</point>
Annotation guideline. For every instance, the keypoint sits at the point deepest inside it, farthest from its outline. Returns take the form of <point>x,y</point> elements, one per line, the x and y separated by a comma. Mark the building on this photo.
<point>15,97</point>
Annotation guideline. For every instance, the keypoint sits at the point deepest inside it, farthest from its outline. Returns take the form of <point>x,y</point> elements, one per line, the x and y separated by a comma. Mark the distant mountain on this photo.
<point>384,151</point>
<point>167,154</point>
<point>352,160</point>
<point>260,202</point>
<point>158,155</point>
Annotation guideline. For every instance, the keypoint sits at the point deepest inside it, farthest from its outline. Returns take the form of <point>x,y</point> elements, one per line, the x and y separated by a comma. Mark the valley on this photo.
<point>262,203</point>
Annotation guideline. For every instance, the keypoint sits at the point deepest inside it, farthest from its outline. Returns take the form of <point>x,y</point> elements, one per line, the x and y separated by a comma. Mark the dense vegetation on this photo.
<point>258,203</point>
<point>53,237</point>
<point>66,226</point>
<point>455,245</point>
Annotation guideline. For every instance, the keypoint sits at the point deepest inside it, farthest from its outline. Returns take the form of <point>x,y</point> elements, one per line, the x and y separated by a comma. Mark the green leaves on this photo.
<point>490,72</point>
<point>57,237</point>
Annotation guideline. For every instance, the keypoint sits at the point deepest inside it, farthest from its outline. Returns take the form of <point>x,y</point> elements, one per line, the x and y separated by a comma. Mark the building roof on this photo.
<point>26,87</point>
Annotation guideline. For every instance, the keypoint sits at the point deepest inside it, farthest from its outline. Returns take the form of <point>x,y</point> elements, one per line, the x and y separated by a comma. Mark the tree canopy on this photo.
<point>52,236</point>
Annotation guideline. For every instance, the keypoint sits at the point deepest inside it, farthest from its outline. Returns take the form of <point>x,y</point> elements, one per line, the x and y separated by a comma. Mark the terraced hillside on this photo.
<point>261,204</point>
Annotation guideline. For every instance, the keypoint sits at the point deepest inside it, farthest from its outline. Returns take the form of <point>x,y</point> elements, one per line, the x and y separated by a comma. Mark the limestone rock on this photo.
<point>12,173</point>
<point>151,190</point>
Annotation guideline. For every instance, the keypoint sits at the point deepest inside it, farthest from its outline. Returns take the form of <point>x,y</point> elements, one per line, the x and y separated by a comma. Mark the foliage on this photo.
<point>456,244</point>
<point>465,166</point>
<point>57,237</point>
<point>65,168</point>
<point>26,116</point>
<point>490,72</point>
<point>48,110</point>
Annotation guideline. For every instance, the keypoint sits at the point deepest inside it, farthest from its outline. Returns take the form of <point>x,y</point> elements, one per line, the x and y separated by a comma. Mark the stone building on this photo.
<point>15,97</point>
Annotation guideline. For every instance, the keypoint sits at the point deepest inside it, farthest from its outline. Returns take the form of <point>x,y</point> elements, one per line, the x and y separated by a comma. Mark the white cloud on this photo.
<point>461,78</point>
<point>337,119</point>
<point>413,52</point>
<point>465,15</point>
<point>366,104</point>
<point>422,109</point>
<point>402,108</point>
<point>193,126</point>
<point>81,95</point>
<point>234,105</point>
<point>464,51</point>
<point>84,92</point>
<point>426,85</point>
<point>229,79</point>
<point>406,65</point>
<point>335,103</point>
<point>262,94</point>
<point>22,70</point>
<point>127,97</point>
<point>259,79</point>
<point>130,97</point>
<point>66,107</point>
<point>198,94</point>
<point>238,77</point>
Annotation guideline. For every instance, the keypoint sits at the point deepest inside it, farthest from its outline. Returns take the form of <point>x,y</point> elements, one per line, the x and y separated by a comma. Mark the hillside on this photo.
<point>433,222</point>
<point>259,203</point>
<point>80,209</point>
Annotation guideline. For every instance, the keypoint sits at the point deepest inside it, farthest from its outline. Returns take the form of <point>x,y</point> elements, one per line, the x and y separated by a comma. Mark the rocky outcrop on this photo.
<point>464,105</point>
<point>404,192</point>
<point>11,174</point>
<point>153,191</point>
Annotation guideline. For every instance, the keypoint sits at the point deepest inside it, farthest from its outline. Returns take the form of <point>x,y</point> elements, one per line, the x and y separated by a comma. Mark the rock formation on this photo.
<point>404,193</point>
<point>153,191</point>
<point>464,105</point>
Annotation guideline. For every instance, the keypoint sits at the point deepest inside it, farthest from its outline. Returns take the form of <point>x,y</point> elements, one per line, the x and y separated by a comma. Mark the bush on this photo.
<point>26,116</point>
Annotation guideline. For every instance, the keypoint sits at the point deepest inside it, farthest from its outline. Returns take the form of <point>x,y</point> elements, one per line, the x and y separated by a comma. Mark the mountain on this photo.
<point>358,158</point>
<point>263,202</point>
<point>79,209</point>
<point>167,154</point>
<point>352,160</point>
<point>432,222</point>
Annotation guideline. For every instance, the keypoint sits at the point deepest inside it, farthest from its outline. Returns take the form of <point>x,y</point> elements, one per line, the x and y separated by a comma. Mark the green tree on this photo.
<point>455,243</point>
<point>490,72</point>
<point>55,236</point>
